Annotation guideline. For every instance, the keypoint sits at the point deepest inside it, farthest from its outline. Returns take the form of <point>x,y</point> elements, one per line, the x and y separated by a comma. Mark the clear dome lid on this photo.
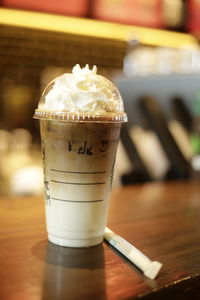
<point>74,98</point>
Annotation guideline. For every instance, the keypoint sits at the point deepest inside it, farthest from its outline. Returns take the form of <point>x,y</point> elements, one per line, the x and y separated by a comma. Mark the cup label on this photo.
<point>86,148</point>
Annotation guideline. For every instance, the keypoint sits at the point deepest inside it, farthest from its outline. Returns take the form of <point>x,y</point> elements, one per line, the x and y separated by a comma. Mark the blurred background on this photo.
<point>148,48</point>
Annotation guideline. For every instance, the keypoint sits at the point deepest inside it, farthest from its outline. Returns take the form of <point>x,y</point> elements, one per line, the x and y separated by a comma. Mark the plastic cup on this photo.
<point>79,153</point>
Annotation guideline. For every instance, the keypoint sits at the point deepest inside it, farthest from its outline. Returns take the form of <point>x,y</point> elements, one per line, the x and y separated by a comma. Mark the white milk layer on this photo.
<point>78,167</point>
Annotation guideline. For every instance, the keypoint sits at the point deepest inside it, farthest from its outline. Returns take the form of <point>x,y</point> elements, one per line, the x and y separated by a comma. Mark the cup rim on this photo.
<point>81,117</point>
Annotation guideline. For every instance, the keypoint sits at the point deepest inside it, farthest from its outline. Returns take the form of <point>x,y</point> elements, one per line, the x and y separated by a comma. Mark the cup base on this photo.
<point>74,243</point>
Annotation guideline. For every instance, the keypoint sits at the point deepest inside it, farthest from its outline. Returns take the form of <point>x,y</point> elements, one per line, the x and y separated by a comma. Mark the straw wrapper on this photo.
<point>148,267</point>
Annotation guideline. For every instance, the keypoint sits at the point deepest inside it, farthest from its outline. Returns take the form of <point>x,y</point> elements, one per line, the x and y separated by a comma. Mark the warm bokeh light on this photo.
<point>94,28</point>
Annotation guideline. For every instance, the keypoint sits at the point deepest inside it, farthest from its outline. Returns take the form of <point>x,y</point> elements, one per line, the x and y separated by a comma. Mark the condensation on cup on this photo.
<point>80,119</point>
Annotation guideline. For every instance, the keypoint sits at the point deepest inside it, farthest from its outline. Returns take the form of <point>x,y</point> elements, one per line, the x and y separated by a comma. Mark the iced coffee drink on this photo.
<point>80,118</point>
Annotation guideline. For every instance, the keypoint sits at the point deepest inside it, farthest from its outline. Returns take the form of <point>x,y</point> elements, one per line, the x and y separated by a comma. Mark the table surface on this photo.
<point>160,219</point>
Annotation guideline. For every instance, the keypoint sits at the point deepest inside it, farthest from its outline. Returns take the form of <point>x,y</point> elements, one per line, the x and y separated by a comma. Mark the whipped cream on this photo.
<point>82,91</point>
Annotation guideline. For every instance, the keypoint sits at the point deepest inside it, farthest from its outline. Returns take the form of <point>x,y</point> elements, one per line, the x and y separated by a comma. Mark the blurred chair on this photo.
<point>139,172</point>
<point>179,166</point>
<point>181,113</point>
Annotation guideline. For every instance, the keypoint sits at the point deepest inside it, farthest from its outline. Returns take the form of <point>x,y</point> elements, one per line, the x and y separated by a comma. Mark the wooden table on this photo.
<point>161,219</point>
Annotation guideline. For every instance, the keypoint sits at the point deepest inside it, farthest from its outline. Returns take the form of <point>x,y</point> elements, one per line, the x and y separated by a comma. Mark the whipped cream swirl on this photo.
<point>83,91</point>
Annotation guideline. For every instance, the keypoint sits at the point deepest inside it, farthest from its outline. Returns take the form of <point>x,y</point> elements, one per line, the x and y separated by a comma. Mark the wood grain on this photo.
<point>161,219</point>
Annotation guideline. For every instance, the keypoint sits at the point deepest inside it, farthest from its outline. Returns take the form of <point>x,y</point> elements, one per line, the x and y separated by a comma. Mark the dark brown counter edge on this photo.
<point>182,289</point>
